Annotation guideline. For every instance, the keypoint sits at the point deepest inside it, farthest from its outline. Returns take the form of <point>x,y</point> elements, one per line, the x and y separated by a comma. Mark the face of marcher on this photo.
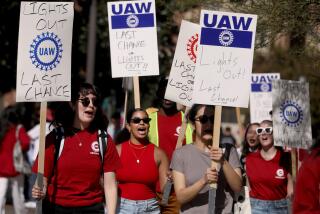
<point>252,137</point>
<point>167,104</point>
<point>139,125</point>
<point>266,136</point>
<point>204,124</point>
<point>85,110</point>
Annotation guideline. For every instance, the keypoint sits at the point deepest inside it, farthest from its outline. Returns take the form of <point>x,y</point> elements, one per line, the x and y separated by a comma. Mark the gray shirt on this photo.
<point>193,163</point>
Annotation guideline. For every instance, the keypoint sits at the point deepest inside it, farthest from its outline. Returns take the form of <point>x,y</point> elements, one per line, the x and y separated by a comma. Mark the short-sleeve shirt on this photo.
<point>268,178</point>
<point>74,180</point>
<point>193,163</point>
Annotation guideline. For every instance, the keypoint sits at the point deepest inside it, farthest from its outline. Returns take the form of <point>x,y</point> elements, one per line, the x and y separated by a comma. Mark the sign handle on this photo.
<point>136,91</point>
<point>183,128</point>
<point>216,135</point>
<point>125,108</point>
<point>294,164</point>
<point>239,123</point>
<point>41,155</point>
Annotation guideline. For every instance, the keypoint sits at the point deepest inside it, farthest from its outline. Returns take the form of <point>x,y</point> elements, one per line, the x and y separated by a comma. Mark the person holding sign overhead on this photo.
<point>143,165</point>
<point>268,172</point>
<point>192,171</point>
<point>75,158</point>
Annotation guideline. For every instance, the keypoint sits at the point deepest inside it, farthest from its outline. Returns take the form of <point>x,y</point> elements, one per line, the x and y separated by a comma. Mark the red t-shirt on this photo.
<point>6,150</point>
<point>268,179</point>
<point>307,189</point>
<point>137,181</point>
<point>168,132</point>
<point>76,178</point>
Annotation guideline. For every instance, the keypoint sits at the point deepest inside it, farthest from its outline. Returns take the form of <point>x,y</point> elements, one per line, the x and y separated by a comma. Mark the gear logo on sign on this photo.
<point>132,21</point>
<point>46,51</point>
<point>291,113</point>
<point>226,38</point>
<point>265,87</point>
<point>192,47</point>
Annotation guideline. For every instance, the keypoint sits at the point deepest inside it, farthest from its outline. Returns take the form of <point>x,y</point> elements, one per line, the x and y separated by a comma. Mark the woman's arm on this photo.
<point>233,176</point>
<point>111,191</point>
<point>163,166</point>
<point>290,186</point>
<point>186,194</point>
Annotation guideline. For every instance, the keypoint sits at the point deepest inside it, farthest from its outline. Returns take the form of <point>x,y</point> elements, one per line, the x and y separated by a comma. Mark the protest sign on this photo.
<point>261,97</point>
<point>291,114</point>
<point>180,82</point>
<point>133,38</point>
<point>44,52</point>
<point>224,60</point>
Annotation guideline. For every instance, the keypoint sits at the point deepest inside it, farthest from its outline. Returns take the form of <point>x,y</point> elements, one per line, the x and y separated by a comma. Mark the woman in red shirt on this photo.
<point>72,178</point>
<point>143,165</point>
<point>9,121</point>
<point>268,172</point>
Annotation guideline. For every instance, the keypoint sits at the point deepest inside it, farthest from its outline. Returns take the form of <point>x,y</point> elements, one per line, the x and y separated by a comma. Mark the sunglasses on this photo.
<point>86,102</point>
<point>137,120</point>
<point>204,119</point>
<point>266,130</point>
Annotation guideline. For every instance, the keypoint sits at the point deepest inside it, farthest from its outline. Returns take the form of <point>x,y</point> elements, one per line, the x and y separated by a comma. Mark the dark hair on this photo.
<point>10,116</point>
<point>162,87</point>
<point>132,111</point>
<point>194,109</point>
<point>64,115</point>
<point>246,147</point>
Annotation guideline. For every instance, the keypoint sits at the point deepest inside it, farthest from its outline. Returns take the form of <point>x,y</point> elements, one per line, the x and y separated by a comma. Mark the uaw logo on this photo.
<point>192,47</point>
<point>291,113</point>
<point>226,31</point>
<point>261,83</point>
<point>131,15</point>
<point>46,51</point>
<point>95,148</point>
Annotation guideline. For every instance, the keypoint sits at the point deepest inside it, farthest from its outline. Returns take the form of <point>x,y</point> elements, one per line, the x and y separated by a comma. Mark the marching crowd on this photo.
<point>86,171</point>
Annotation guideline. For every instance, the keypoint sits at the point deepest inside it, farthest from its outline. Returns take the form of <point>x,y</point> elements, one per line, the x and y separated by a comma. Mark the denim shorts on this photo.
<point>127,206</point>
<point>269,207</point>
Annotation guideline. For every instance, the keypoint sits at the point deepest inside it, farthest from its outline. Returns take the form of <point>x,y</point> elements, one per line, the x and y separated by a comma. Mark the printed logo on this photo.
<point>280,174</point>
<point>132,21</point>
<point>177,131</point>
<point>291,113</point>
<point>46,51</point>
<point>265,87</point>
<point>192,47</point>
<point>226,31</point>
<point>95,148</point>
<point>226,38</point>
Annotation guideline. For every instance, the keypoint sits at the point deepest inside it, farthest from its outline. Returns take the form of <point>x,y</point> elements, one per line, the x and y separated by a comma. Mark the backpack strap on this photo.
<point>228,148</point>
<point>59,131</point>
<point>103,140</point>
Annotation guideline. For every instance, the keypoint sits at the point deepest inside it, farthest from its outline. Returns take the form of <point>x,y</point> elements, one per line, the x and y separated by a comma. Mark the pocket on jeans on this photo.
<point>152,206</point>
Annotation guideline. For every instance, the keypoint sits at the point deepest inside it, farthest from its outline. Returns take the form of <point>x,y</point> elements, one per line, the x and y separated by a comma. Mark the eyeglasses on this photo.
<point>204,119</point>
<point>262,130</point>
<point>86,101</point>
<point>137,120</point>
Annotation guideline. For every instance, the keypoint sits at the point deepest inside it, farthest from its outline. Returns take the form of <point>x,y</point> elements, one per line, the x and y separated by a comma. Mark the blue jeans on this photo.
<point>149,206</point>
<point>269,207</point>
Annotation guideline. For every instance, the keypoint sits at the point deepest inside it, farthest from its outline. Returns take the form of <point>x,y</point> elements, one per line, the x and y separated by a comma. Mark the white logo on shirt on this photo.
<point>280,174</point>
<point>177,131</point>
<point>95,148</point>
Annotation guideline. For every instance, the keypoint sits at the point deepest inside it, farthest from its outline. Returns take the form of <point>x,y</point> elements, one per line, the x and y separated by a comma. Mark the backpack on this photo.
<point>59,144</point>
<point>20,161</point>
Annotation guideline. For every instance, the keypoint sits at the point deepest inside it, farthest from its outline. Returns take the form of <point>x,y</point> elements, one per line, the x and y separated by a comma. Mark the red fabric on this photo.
<point>6,150</point>
<point>76,178</point>
<point>307,189</point>
<point>268,179</point>
<point>168,132</point>
<point>137,181</point>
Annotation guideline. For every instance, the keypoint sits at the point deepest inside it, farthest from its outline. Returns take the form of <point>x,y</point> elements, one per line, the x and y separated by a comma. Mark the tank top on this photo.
<point>139,172</point>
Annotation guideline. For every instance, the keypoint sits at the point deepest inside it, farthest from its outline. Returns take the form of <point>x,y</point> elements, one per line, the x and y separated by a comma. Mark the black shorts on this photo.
<point>50,208</point>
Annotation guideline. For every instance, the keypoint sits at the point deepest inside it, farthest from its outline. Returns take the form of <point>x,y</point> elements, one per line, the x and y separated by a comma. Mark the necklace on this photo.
<point>77,136</point>
<point>132,147</point>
